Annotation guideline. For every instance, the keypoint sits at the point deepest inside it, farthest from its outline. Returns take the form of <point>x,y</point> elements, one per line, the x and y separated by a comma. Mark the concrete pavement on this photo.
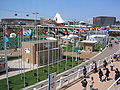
<point>97,84</point>
<point>101,85</point>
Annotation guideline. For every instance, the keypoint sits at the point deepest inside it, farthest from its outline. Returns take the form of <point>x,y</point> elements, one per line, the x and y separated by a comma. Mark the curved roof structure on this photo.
<point>58,18</point>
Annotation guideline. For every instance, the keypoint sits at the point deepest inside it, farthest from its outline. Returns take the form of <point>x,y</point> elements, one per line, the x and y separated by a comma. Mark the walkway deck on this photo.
<point>98,85</point>
<point>101,85</point>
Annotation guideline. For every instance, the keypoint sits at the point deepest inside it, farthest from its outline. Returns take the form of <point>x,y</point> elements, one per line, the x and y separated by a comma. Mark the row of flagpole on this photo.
<point>22,65</point>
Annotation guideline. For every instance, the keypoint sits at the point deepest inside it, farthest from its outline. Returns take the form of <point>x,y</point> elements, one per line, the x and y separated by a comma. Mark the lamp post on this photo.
<point>22,63</point>
<point>36,13</point>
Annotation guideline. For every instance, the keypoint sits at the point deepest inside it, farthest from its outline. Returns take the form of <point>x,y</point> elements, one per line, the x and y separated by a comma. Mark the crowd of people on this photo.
<point>105,72</point>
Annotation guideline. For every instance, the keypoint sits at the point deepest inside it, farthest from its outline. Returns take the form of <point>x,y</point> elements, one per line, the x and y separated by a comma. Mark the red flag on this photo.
<point>21,32</point>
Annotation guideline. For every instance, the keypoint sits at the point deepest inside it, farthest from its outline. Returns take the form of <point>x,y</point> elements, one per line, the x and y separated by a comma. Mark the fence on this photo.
<point>114,86</point>
<point>72,75</point>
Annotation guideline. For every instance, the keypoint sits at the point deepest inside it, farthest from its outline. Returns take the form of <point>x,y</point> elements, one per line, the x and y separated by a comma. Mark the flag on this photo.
<point>51,32</point>
<point>56,31</point>
<point>6,33</point>
<point>39,30</point>
<point>6,39</point>
<point>31,34</point>
<point>21,32</point>
<point>27,32</point>
<point>5,36</point>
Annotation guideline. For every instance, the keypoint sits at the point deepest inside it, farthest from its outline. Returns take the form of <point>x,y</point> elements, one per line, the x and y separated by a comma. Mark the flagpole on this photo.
<point>33,40</point>
<point>58,57</point>
<point>19,52</point>
<point>73,49</point>
<point>21,28</point>
<point>66,50</point>
<point>38,45</point>
<point>43,53</point>
<point>36,13</point>
<point>30,44</point>
<point>48,51</point>
<point>24,66</point>
<point>6,61</point>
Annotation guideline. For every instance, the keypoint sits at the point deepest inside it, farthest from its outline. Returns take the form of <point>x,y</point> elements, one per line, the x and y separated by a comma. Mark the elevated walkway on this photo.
<point>70,79</point>
<point>97,84</point>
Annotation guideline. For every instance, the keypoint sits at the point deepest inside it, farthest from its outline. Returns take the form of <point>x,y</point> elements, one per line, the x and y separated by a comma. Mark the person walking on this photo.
<point>111,65</point>
<point>118,56</point>
<point>91,82</point>
<point>95,67</point>
<point>84,71</point>
<point>100,73</point>
<point>107,73</point>
<point>117,74</point>
<point>104,64</point>
<point>115,57</point>
<point>84,84</point>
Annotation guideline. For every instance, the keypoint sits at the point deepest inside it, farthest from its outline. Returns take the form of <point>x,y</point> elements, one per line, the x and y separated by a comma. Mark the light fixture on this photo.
<point>15,14</point>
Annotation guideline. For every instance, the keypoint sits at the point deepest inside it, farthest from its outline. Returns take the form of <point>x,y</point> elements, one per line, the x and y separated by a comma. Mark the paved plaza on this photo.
<point>97,84</point>
<point>101,85</point>
<point>15,68</point>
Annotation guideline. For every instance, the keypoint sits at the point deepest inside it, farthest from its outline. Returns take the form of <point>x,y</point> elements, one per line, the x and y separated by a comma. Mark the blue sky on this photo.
<point>69,9</point>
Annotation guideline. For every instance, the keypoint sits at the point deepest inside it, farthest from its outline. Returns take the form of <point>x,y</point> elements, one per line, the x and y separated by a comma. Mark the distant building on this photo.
<point>16,21</point>
<point>73,23</point>
<point>89,21</point>
<point>99,36</point>
<point>44,21</point>
<point>36,52</point>
<point>88,45</point>
<point>104,20</point>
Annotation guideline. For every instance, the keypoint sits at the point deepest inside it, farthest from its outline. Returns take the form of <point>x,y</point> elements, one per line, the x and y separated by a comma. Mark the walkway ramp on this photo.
<point>99,85</point>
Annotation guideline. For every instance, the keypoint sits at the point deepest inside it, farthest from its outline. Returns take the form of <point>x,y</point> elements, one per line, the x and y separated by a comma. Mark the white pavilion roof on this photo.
<point>58,18</point>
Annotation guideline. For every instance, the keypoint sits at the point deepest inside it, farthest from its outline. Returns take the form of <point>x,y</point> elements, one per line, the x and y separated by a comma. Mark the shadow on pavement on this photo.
<point>13,69</point>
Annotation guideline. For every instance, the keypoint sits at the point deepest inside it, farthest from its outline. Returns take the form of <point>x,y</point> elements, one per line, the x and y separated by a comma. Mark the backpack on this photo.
<point>84,83</point>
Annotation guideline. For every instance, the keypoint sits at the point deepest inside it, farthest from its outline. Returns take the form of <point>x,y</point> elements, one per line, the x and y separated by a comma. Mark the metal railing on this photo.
<point>114,86</point>
<point>71,75</point>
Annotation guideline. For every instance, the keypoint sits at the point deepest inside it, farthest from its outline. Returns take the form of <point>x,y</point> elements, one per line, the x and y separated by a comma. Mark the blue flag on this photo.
<point>6,39</point>
<point>27,32</point>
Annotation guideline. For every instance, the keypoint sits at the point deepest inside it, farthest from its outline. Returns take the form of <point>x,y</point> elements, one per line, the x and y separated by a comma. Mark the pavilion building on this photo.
<point>41,52</point>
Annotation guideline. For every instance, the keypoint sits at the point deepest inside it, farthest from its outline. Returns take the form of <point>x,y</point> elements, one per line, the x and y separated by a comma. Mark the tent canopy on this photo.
<point>58,18</point>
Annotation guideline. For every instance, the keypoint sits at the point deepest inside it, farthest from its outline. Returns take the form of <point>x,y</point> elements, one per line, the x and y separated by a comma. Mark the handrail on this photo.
<point>77,72</point>
<point>113,83</point>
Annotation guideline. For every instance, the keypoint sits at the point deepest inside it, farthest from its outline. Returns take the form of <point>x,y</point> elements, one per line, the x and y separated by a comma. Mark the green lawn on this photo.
<point>31,77</point>
<point>98,46</point>
<point>70,46</point>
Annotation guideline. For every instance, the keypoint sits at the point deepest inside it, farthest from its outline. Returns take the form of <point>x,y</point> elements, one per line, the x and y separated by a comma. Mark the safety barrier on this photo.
<point>114,86</point>
<point>71,75</point>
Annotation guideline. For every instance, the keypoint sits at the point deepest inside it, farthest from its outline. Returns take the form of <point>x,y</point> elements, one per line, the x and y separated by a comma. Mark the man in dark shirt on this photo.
<point>84,84</point>
<point>84,71</point>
